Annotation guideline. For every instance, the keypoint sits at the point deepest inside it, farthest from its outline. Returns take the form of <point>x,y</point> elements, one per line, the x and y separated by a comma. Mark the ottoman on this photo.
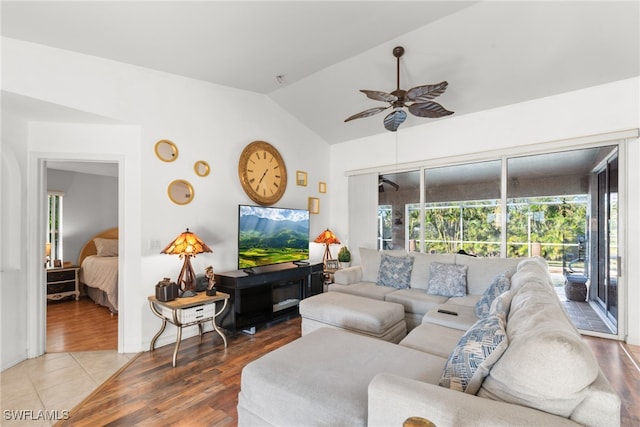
<point>322,379</point>
<point>575,287</point>
<point>378,319</point>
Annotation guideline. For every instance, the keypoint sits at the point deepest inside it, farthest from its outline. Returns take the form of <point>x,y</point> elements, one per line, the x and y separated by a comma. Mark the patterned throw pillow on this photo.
<point>447,280</point>
<point>394,271</point>
<point>499,285</point>
<point>477,351</point>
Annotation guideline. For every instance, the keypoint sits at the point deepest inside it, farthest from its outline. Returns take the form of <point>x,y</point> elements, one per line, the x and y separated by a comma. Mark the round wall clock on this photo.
<point>262,173</point>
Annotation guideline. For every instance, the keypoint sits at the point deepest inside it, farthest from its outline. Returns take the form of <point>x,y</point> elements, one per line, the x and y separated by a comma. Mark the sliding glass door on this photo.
<point>607,239</point>
<point>560,205</point>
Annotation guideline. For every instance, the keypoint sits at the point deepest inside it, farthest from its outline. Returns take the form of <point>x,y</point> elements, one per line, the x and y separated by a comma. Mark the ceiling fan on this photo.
<point>382,181</point>
<point>420,96</point>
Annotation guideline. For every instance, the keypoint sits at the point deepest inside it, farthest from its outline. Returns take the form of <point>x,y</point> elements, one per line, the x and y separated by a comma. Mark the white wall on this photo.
<point>13,297</point>
<point>90,205</point>
<point>207,122</point>
<point>528,124</point>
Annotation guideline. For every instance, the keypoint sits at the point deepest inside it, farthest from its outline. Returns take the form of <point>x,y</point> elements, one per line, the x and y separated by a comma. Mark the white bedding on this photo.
<point>102,273</point>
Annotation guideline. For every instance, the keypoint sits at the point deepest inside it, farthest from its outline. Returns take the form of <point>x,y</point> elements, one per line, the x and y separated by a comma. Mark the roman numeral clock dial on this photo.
<point>262,172</point>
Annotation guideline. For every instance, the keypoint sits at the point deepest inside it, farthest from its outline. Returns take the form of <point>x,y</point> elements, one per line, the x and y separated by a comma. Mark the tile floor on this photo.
<point>582,314</point>
<point>43,388</point>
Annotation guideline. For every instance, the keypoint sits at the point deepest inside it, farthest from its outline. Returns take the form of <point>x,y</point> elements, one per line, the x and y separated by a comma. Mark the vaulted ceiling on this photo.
<point>492,53</point>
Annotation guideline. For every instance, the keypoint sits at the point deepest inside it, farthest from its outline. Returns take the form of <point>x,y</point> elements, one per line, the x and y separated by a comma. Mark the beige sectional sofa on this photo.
<point>362,280</point>
<point>521,362</point>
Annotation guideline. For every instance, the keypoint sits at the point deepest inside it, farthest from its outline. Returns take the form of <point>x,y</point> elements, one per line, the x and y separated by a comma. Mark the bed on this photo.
<point>98,263</point>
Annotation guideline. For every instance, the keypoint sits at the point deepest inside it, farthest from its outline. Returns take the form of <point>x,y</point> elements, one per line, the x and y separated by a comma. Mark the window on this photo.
<point>561,205</point>
<point>54,227</point>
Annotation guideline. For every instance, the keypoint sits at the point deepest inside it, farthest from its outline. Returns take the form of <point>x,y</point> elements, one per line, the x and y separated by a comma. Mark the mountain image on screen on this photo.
<point>269,235</point>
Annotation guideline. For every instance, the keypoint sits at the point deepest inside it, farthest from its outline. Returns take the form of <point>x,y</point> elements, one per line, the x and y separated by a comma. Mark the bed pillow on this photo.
<point>447,280</point>
<point>499,285</point>
<point>477,351</point>
<point>106,247</point>
<point>395,272</point>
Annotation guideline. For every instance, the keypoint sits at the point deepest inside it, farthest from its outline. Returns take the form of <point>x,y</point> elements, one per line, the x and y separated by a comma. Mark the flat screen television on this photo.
<point>270,235</point>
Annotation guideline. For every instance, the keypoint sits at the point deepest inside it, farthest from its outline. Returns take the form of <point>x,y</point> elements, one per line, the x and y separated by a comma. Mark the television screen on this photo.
<point>269,235</point>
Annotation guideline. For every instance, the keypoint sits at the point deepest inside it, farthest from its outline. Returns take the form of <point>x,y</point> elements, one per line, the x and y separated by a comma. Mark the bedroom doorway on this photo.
<point>85,203</point>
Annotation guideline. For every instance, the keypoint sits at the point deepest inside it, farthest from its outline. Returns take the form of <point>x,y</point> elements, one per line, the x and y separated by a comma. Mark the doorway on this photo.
<point>89,191</point>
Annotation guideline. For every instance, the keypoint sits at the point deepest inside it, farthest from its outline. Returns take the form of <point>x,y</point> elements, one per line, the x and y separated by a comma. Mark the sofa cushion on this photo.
<point>447,280</point>
<point>478,349</point>
<point>421,266</point>
<point>482,270</point>
<point>395,271</point>
<point>415,300</point>
<point>370,262</point>
<point>363,289</point>
<point>433,339</point>
<point>467,300</point>
<point>529,270</point>
<point>547,365</point>
<point>499,285</point>
<point>464,318</point>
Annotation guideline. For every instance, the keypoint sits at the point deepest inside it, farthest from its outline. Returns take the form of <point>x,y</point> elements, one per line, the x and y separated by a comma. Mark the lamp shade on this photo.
<point>187,243</point>
<point>327,237</point>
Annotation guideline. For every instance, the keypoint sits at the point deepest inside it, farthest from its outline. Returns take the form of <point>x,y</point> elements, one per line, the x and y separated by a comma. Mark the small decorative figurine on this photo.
<point>208,273</point>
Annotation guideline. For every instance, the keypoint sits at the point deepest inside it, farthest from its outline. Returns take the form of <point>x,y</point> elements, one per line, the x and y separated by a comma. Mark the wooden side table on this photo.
<point>63,282</point>
<point>183,312</point>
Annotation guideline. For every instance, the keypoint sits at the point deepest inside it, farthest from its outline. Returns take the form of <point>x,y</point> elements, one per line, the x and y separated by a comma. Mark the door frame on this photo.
<point>36,236</point>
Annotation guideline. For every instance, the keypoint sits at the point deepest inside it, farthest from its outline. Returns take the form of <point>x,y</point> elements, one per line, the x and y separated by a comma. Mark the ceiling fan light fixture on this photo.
<point>394,119</point>
<point>421,97</point>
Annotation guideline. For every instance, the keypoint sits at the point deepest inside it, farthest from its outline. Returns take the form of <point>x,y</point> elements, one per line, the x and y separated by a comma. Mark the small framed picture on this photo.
<point>333,264</point>
<point>314,205</point>
<point>301,178</point>
<point>322,187</point>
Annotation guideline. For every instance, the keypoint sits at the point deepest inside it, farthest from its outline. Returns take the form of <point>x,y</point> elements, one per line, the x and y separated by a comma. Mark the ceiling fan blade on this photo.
<point>367,113</point>
<point>394,119</point>
<point>426,92</point>
<point>377,95</point>
<point>391,183</point>
<point>429,109</point>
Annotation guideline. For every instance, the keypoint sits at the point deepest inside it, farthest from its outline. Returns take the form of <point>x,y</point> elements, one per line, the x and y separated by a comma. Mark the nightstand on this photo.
<point>63,282</point>
<point>183,312</point>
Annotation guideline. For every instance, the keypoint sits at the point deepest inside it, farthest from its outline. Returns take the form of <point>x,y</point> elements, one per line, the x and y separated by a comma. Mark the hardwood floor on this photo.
<point>80,326</point>
<point>203,388</point>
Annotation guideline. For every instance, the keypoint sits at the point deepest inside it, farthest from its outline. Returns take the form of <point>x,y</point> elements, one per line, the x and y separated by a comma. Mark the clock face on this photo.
<point>262,173</point>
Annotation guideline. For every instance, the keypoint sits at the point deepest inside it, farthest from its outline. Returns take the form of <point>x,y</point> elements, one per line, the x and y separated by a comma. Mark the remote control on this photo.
<point>453,313</point>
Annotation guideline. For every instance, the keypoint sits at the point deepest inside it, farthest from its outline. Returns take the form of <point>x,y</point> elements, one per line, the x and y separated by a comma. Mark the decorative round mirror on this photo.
<point>180,192</point>
<point>166,150</point>
<point>201,167</point>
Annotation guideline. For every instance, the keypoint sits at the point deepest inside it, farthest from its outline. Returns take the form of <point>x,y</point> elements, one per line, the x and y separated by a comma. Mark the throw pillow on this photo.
<point>447,280</point>
<point>370,262</point>
<point>499,285</point>
<point>395,272</point>
<point>106,247</point>
<point>477,351</point>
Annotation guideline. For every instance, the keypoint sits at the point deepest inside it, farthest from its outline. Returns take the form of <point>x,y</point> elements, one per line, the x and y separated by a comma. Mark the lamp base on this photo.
<point>189,293</point>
